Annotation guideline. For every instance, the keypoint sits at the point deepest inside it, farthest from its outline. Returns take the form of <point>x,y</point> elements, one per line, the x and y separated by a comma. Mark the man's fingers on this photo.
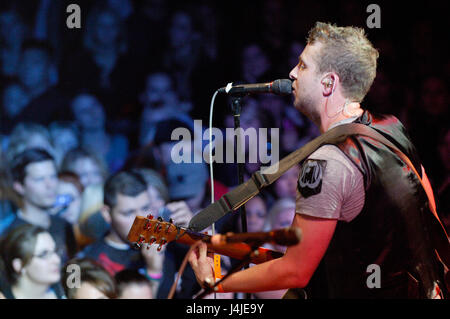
<point>193,259</point>
<point>202,250</point>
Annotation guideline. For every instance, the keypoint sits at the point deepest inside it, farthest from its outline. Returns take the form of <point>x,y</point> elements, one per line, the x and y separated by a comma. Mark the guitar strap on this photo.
<point>261,179</point>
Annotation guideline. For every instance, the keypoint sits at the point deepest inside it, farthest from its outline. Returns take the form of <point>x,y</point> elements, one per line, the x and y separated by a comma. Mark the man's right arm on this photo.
<point>293,270</point>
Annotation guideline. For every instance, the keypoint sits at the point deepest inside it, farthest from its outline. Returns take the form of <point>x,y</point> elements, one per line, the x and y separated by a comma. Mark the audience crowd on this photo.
<point>87,115</point>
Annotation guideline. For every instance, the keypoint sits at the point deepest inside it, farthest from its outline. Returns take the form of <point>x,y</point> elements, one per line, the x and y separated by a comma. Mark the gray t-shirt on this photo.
<point>330,186</point>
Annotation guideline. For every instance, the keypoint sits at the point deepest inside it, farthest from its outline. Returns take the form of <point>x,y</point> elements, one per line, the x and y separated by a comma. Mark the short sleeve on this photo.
<point>330,186</point>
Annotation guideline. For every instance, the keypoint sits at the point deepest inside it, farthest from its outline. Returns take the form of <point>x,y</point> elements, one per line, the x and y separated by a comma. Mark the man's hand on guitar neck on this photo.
<point>203,265</point>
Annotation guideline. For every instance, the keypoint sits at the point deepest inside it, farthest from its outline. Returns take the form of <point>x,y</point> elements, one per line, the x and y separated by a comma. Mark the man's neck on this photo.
<point>35,215</point>
<point>113,239</point>
<point>339,114</point>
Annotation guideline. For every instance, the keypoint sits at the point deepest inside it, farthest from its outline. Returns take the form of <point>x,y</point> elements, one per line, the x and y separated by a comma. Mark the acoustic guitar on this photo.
<point>146,230</point>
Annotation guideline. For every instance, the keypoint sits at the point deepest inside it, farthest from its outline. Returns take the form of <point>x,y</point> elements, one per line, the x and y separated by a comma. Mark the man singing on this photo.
<point>358,204</point>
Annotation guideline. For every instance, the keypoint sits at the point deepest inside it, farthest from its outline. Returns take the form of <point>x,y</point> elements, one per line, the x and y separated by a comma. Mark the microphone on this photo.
<point>280,87</point>
<point>286,237</point>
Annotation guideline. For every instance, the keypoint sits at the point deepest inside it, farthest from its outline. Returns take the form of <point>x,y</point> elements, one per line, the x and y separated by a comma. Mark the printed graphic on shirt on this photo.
<point>310,180</point>
<point>111,266</point>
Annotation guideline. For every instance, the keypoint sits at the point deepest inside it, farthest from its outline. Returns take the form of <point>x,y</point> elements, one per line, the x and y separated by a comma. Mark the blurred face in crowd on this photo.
<point>122,215</point>
<point>159,92</point>
<point>286,185</point>
<point>88,171</point>
<point>72,212</point>
<point>137,291</point>
<point>89,291</point>
<point>64,139</point>
<point>256,214</point>
<point>180,32</point>
<point>14,99</point>
<point>12,30</point>
<point>44,266</point>
<point>254,62</point>
<point>106,29</point>
<point>88,112</point>
<point>284,218</point>
<point>34,68</point>
<point>40,184</point>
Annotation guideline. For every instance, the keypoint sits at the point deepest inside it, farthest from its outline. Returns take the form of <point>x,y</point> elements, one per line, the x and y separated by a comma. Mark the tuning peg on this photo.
<point>171,221</point>
<point>158,228</point>
<point>150,216</point>
<point>147,225</point>
<point>152,241</point>
<point>160,219</point>
<point>163,242</point>
<point>140,241</point>
<point>167,229</point>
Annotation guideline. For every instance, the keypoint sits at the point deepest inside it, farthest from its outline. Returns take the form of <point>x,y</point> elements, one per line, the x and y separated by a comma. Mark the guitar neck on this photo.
<point>144,230</point>
<point>234,250</point>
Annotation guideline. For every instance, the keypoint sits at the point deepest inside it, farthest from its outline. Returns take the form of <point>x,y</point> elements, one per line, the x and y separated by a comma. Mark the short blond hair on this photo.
<point>348,52</point>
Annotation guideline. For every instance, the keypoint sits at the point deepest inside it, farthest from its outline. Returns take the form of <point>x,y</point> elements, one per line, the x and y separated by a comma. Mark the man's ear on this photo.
<point>106,213</point>
<point>17,265</point>
<point>18,187</point>
<point>329,82</point>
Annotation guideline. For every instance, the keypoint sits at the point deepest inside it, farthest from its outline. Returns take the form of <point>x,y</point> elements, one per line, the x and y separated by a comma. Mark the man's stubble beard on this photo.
<point>308,107</point>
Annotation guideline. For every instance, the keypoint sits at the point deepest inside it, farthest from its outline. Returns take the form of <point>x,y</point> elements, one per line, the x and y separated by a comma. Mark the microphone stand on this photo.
<point>236,106</point>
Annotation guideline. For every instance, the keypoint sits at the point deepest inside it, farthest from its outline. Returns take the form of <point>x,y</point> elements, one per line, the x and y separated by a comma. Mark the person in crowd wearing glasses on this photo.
<point>32,264</point>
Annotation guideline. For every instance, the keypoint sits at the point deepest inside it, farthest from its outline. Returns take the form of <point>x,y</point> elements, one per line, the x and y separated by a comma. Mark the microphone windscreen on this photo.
<point>282,86</point>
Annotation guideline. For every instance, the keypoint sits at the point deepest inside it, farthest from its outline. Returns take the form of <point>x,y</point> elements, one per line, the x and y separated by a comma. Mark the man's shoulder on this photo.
<point>94,249</point>
<point>332,153</point>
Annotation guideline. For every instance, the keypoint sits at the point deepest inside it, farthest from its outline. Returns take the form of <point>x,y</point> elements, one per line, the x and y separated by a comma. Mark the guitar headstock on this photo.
<point>147,230</point>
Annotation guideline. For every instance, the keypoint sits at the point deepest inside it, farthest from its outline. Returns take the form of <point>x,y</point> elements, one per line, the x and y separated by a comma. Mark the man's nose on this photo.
<point>293,74</point>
